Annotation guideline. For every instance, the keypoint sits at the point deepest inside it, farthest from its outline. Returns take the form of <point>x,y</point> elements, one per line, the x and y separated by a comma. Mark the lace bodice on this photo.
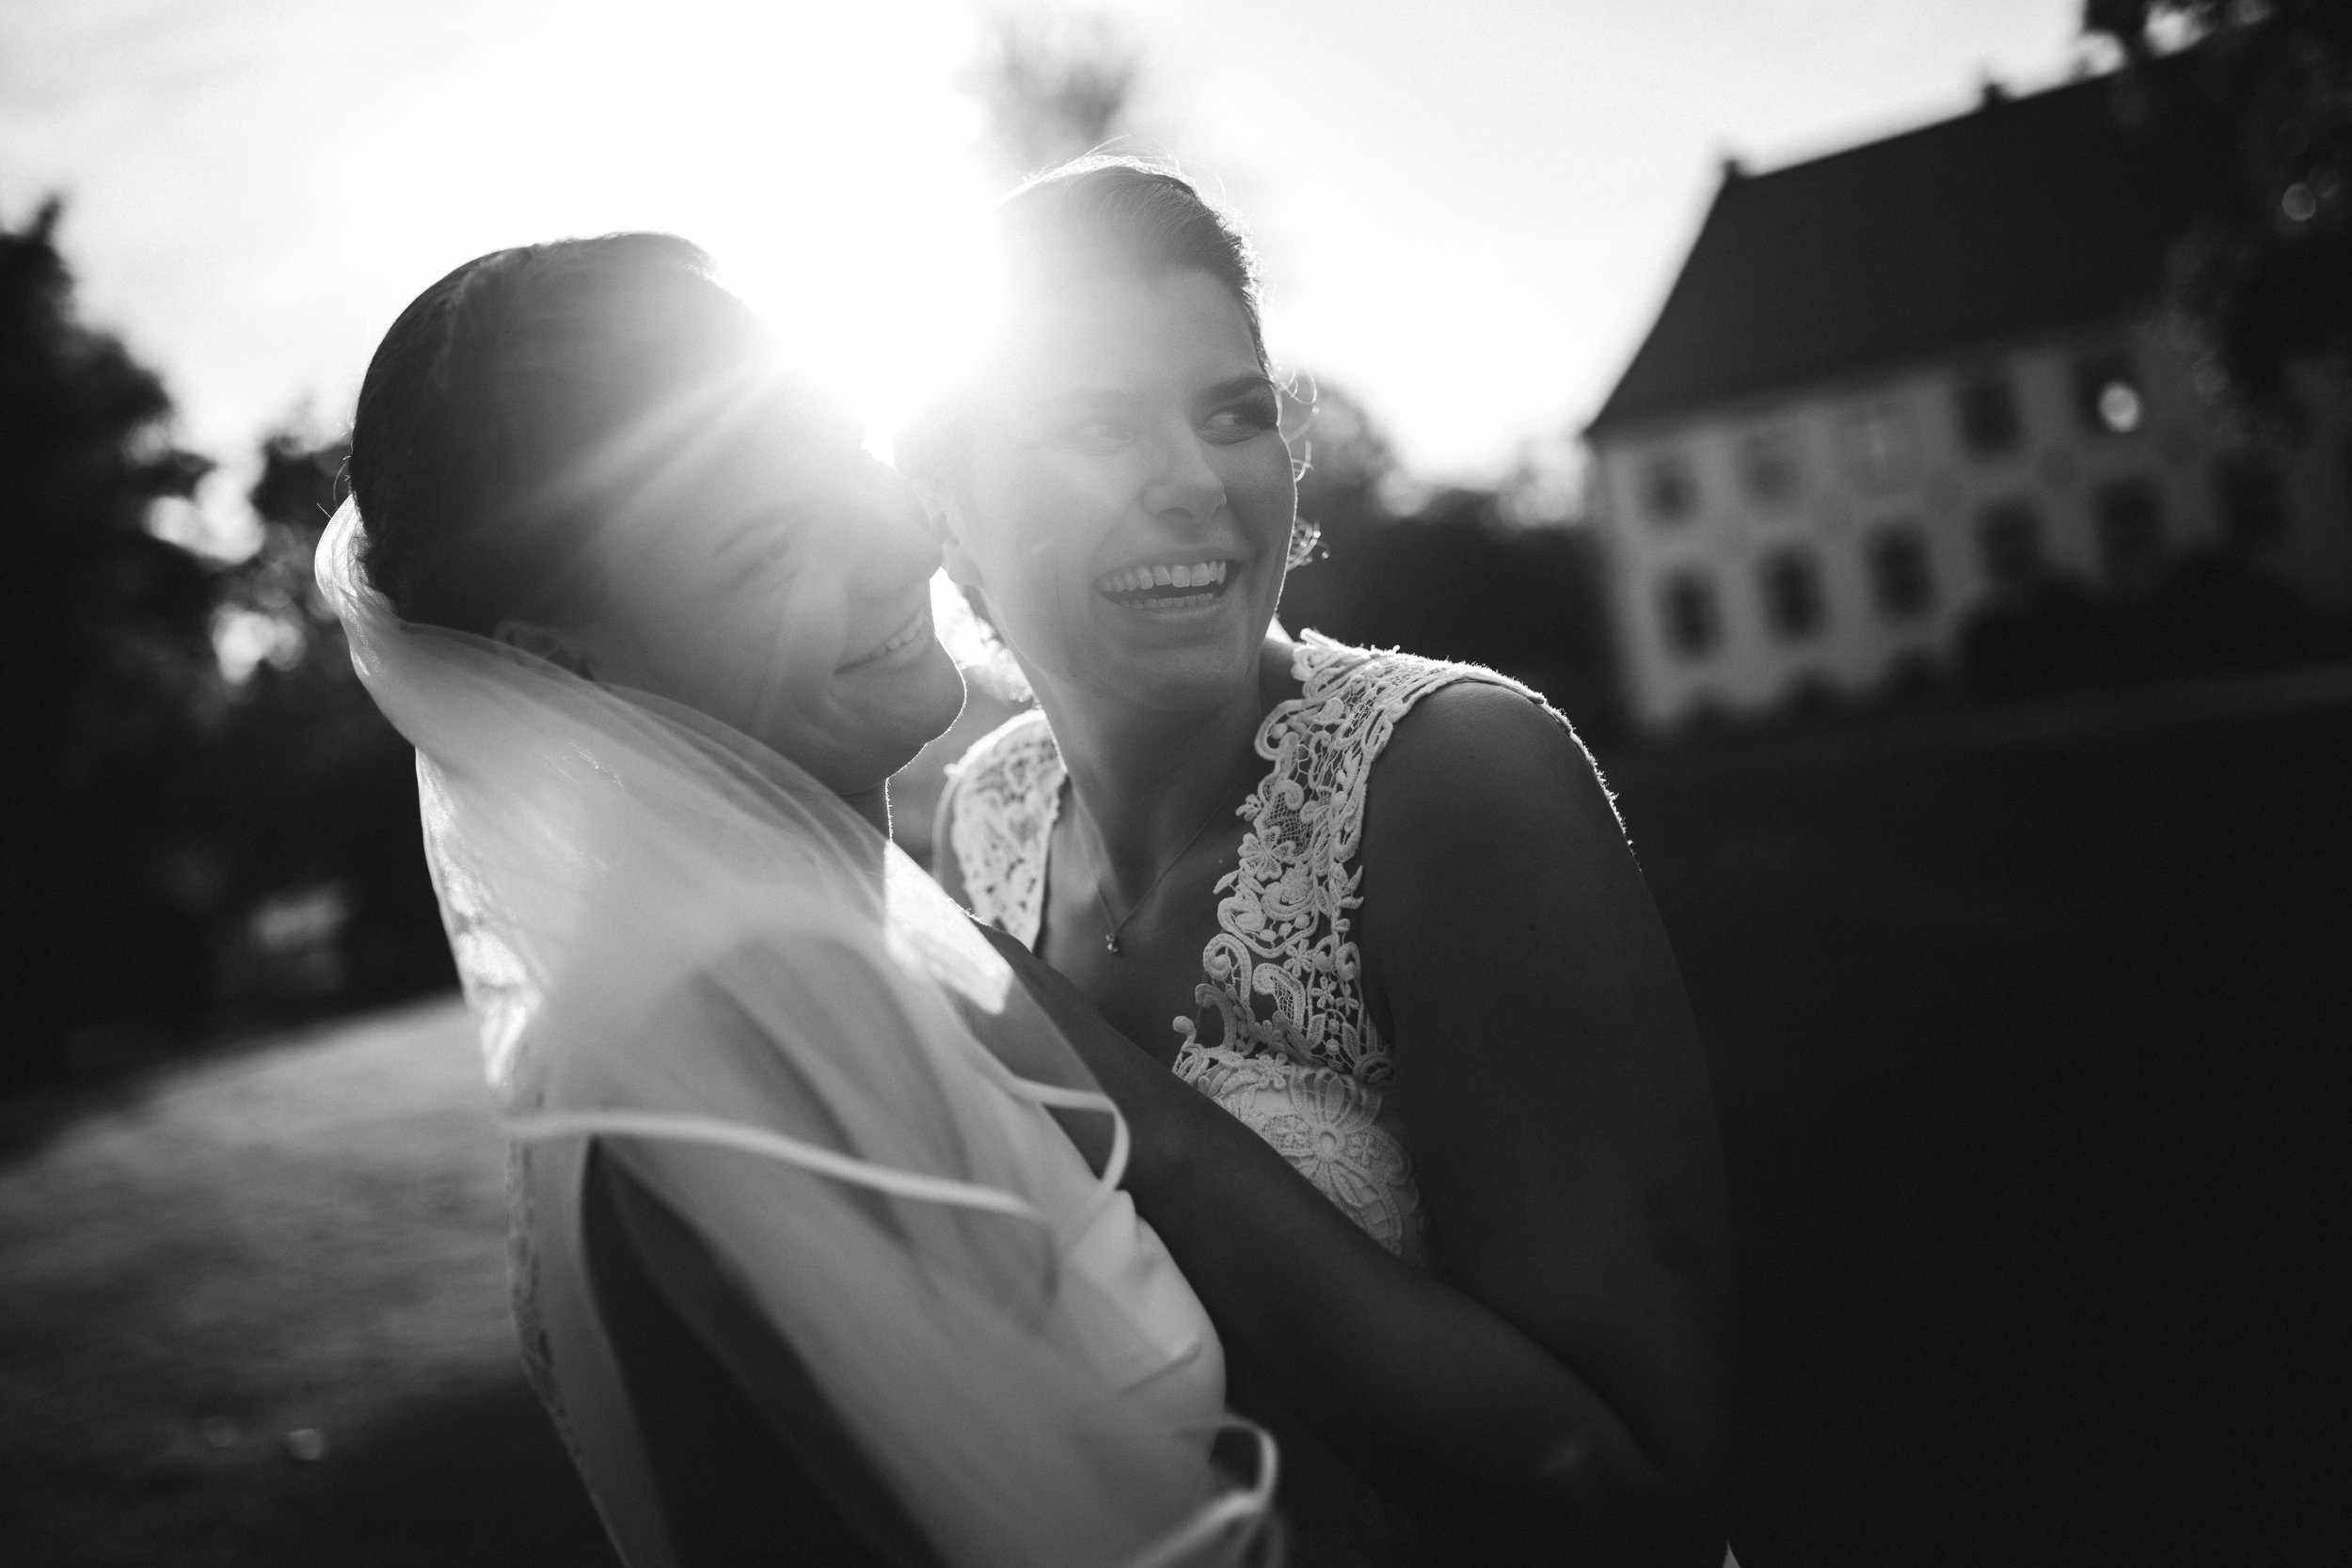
<point>1297,1056</point>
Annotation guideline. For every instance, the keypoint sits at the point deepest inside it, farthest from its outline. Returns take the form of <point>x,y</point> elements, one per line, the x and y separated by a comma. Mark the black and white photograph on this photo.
<point>1172,783</point>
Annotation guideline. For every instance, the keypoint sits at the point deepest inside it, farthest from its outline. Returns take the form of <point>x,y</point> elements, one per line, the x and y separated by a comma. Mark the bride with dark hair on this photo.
<point>1436,1149</point>
<point>808,1259</point>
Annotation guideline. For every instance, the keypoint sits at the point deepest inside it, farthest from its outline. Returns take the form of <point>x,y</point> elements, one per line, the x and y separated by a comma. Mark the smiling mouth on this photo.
<point>916,625</point>
<point>1184,585</point>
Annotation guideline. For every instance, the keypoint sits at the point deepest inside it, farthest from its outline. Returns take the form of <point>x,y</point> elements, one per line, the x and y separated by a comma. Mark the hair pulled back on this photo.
<point>1131,211</point>
<point>495,392</point>
<point>1098,213</point>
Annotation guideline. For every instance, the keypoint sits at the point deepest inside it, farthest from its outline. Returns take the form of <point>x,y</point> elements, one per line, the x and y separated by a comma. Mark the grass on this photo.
<point>2030,1034</point>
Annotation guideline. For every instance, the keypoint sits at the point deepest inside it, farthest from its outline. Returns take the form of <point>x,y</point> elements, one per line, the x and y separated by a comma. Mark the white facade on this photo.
<point>1843,532</point>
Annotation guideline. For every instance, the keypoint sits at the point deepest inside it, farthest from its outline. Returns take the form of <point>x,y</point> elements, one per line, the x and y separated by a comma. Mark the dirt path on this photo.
<point>303,1238</point>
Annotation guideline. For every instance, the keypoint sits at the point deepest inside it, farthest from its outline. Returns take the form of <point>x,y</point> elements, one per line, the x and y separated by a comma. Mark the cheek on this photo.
<point>774,648</point>
<point>1037,521</point>
<point>1264,492</point>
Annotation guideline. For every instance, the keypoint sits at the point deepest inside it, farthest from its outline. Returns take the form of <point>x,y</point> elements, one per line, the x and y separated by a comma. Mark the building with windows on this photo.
<point>1892,382</point>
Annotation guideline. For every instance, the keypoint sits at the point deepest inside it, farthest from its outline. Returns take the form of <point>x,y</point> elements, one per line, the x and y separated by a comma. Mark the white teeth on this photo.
<point>1138,579</point>
<point>898,640</point>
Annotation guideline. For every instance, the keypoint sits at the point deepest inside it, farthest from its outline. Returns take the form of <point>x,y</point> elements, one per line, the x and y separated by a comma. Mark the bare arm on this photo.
<point>1548,1071</point>
<point>1549,1387</point>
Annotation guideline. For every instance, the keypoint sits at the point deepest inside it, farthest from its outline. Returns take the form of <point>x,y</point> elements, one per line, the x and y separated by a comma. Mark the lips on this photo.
<point>915,626</point>
<point>1167,585</point>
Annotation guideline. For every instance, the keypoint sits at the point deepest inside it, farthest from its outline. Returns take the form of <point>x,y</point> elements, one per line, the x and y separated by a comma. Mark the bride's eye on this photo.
<point>1239,421</point>
<point>1097,433</point>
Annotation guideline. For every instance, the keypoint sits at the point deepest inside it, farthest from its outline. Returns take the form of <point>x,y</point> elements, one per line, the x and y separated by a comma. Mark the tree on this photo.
<point>109,659</point>
<point>1453,573</point>
<point>1345,460</point>
<point>310,791</point>
<point>2263,282</point>
<point>1053,84</point>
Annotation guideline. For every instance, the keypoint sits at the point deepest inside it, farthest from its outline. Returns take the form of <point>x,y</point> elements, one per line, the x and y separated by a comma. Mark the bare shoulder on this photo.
<point>1478,757</point>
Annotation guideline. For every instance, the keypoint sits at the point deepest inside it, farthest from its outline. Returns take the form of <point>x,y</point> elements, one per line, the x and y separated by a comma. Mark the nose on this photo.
<point>1184,486</point>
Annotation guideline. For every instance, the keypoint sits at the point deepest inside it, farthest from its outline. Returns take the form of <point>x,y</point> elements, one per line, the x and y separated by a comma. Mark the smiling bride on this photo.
<point>806,1265</point>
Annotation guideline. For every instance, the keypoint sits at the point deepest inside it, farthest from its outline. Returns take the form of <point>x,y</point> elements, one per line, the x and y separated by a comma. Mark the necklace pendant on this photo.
<point>1110,943</point>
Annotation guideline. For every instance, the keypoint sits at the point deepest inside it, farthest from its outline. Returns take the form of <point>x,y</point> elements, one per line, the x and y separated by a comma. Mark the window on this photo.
<point>2107,395</point>
<point>1877,446</point>
<point>2252,499</point>
<point>2131,532</point>
<point>1768,467</point>
<point>1693,623</point>
<point>1792,593</point>
<point>2008,538</point>
<point>1987,405</point>
<point>1900,577</point>
<point>1669,492</point>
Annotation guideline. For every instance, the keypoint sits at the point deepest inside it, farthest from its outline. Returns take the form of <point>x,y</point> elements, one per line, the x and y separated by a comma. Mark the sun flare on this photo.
<point>826,157</point>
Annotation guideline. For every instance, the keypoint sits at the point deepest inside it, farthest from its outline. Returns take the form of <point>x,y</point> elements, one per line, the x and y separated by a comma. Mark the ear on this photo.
<point>940,509</point>
<point>559,648</point>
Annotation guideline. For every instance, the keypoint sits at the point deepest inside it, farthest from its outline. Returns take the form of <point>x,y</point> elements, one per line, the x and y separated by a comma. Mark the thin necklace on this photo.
<point>1111,936</point>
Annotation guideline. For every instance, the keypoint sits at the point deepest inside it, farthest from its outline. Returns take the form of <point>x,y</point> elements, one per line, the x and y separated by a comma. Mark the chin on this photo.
<point>930,700</point>
<point>1184,675</point>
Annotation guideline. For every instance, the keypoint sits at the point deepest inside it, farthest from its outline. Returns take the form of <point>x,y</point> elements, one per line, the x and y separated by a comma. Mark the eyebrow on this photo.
<point>1100,397</point>
<point>1256,381</point>
<point>1082,397</point>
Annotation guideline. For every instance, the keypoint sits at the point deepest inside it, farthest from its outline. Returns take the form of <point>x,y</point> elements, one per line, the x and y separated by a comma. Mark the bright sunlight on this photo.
<point>822,154</point>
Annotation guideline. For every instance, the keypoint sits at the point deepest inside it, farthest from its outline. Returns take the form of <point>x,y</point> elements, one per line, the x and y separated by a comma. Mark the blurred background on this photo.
<point>1913,443</point>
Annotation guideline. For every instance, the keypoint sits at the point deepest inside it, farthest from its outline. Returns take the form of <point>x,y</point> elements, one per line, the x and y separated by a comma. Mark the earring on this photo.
<point>1305,537</point>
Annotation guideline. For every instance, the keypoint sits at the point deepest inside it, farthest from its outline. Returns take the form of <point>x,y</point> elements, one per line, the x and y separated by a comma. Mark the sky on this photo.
<point>1469,209</point>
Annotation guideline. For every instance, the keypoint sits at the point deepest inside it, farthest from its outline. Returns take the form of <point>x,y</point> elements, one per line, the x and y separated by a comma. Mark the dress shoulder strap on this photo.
<point>1284,971</point>
<point>998,813</point>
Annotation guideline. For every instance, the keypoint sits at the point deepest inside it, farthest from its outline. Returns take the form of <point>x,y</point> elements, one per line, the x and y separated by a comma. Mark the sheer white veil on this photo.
<point>677,941</point>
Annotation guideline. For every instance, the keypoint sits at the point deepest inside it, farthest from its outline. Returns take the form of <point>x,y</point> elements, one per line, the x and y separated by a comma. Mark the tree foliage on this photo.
<point>1344,457</point>
<point>109,657</point>
<point>1450,574</point>
<point>1053,84</point>
<point>2265,283</point>
<point>311,795</point>
<point>186,851</point>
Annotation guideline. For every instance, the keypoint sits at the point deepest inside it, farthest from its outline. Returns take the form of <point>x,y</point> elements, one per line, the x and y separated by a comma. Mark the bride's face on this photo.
<point>776,577</point>
<point>1127,499</point>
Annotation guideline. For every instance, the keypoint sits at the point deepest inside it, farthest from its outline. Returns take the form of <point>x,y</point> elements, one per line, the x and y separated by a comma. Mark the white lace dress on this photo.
<point>1297,1057</point>
<point>1282,1038</point>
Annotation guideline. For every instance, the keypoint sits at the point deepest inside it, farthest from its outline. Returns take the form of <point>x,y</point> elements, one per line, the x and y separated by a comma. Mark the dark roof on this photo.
<point>2025,214</point>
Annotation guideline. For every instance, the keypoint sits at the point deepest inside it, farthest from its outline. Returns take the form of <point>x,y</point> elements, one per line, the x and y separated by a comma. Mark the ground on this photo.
<point>2028,1032</point>
<point>304,1236</point>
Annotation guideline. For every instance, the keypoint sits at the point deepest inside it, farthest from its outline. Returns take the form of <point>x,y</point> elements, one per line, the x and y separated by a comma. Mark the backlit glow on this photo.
<point>827,157</point>
<point>822,154</point>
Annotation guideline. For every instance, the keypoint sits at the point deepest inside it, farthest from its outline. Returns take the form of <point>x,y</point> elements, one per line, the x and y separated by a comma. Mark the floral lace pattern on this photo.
<point>1004,795</point>
<point>1298,1059</point>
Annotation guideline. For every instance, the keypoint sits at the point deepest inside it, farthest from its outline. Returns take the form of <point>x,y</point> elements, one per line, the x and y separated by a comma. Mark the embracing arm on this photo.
<point>1550,1389</point>
<point>744,1449</point>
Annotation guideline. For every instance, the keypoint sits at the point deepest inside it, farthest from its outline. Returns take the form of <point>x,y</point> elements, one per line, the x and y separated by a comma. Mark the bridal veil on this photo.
<point>677,943</point>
